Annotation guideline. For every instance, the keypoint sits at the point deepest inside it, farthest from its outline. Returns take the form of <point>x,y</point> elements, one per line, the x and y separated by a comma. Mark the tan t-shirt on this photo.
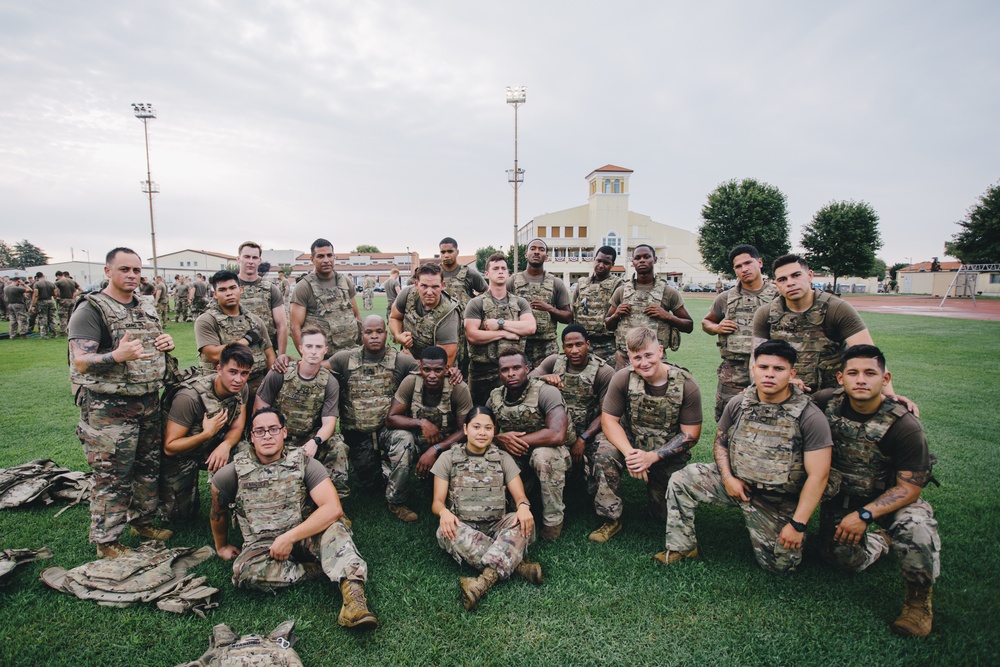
<point>206,331</point>
<point>841,321</point>
<point>274,381</point>
<point>671,301</point>
<point>601,381</point>
<point>461,397</point>
<point>616,400</point>
<point>188,410</point>
<point>303,293</point>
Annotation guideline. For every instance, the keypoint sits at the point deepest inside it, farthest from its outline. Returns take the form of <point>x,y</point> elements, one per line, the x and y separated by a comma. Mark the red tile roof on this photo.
<point>611,167</point>
<point>926,266</point>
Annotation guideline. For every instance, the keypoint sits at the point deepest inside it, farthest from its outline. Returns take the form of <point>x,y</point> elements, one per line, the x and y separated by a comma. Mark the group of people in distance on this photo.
<point>477,394</point>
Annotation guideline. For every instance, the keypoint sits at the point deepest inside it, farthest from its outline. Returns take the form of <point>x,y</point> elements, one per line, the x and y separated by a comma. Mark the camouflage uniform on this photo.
<point>549,464</point>
<point>64,301</point>
<point>120,423</point>
<point>256,298</point>
<point>650,422</point>
<point>163,303</point>
<point>590,305</point>
<point>866,475</point>
<point>333,313</point>
<point>735,348</point>
<point>669,337</point>
<point>542,343</point>
<point>818,356</point>
<point>45,311</point>
<point>269,501</point>
<point>424,327</point>
<point>483,367</point>
<point>17,313</point>
<point>456,289</point>
<point>179,499</point>
<point>486,537</point>
<point>182,307</point>
<point>368,293</point>
<point>198,302</point>
<point>765,452</point>
<point>365,404</point>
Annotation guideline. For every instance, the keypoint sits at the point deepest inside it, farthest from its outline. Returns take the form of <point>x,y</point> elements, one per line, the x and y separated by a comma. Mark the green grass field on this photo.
<point>600,604</point>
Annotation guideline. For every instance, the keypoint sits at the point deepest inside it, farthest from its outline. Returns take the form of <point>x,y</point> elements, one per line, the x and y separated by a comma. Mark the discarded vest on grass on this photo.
<point>477,485</point>
<point>227,649</point>
<point>42,480</point>
<point>669,337</point>
<point>149,573</point>
<point>11,558</point>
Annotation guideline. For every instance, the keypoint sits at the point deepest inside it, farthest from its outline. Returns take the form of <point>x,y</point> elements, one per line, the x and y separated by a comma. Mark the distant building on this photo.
<point>188,262</point>
<point>361,264</point>
<point>919,279</point>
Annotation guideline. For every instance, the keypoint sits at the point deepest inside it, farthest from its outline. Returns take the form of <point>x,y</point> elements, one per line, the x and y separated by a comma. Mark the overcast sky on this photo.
<point>386,122</point>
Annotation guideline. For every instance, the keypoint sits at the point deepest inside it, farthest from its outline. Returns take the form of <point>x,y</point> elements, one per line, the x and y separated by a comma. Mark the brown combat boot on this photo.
<point>151,532</point>
<point>551,533</point>
<point>916,618</point>
<point>606,532</point>
<point>403,513</point>
<point>354,612</point>
<point>111,550</point>
<point>672,557</point>
<point>529,570</point>
<point>474,588</point>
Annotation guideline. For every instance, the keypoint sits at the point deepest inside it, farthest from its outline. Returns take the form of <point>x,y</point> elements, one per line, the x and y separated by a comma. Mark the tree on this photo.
<point>843,238</point>
<point>979,240</point>
<point>880,269</point>
<point>894,269</point>
<point>366,248</point>
<point>746,211</point>
<point>28,254</point>
<point>482,254</point>
<point>6,254</point>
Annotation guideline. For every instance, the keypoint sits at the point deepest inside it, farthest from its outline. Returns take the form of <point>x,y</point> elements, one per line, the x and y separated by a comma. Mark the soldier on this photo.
<point>651,418</point>
<point>426,418</point>
<point>369,376</point>
<point>532,420</point>
<point>474,528</point>
<point>368,292</point>
<point>226,322</point>
<point>205,419</point>
<point>592,299</point>
<point>772,459</point>
<point>462,283</point>
<point>146,288</point>
<point>43,305</point>
<point>118,358</point>
<point>391,287</point>
<point>161,299</point>
<point>423,315</point>
<point>657,305</point>
<point>491,318</point>
<point>262,297</point>
<point>268,487</point>
<point>199,296</point>
<point>309,395</point>
<point>549,301</point>
<point>68,289</point>
<point>182,299</point>
<point>881,450</point>
<point>731,319</point>
<point>16,311</point>
<point>325,299</point>
<point>285,287</point>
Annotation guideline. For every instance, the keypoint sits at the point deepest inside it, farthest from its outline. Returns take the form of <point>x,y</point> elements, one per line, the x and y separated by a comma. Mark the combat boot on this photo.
<point>529,570</point>
<point>474,588</point>
<point>403,513</point>
<point>551,533</point>
<point>111,550</point>
<point>606,532</point>
<point>916,618</point>
<point>354,612</point>
<point>672,557</point>
<point>151,532</point>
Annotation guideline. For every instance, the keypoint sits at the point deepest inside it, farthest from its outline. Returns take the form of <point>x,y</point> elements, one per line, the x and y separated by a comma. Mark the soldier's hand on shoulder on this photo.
<point>455,375</point>
<point>552,379</point>
<point>280,364</point>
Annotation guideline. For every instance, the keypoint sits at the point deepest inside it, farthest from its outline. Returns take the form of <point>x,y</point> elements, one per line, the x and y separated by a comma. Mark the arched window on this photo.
<point>613,240</point>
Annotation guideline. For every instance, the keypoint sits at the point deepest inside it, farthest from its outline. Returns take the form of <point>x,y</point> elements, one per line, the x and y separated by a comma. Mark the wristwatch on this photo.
<point>500,323</point>
<point>865,515</point>
<point>800,527</point>
<point>318,440</point>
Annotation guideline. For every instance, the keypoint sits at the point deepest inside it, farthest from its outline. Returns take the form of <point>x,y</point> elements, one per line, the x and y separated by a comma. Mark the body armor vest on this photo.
<point>493,310</point>
<point>765,443</point>
<point>818,356</point>
<point>455,287</point>
<point>524,415</point>
<point>334,315</point>
<point>204,387</point>
<point>370,387</point>
<point>740,308</point>
<point>865,470</point>
<point>227,649</point>
<point>301,401</point>
<point>578,394</point>
<point>130,378</point>
<point>232,328</point>
<point>654,420</point>
<point>439,415</point>
<point>592,304</point>
<point>545,326</point>
<point>257,300</point>
<point>270,497</point>
<point>669,337</point>
<point>424,327</point>
<point>477,486</point>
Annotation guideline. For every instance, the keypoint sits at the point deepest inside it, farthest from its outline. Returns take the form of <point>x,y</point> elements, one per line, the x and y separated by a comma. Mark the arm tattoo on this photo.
<point>917,478</point>
<point>216,513</point>
<point>679,444</point>
<point>890,497</point>
<point>85,351</point>
<point>721,453</point>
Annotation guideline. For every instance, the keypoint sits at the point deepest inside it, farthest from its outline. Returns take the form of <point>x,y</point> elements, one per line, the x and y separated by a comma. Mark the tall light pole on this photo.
<point>145,112</point>
<point>515,96</point>
<point>90,280</point>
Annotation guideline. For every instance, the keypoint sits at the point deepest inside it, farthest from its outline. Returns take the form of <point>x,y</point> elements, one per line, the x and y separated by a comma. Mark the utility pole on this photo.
<point>145,112</point>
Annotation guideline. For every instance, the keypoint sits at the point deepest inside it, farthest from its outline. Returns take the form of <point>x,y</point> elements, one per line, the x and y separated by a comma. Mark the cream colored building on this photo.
<point>574,234</point>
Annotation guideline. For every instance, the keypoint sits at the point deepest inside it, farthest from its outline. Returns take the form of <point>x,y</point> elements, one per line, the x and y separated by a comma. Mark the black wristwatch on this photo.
<point>500,323</point>
<point>865,515</point>
<point>800,527</point>
<point>586,438</point>
<point>318,440</point>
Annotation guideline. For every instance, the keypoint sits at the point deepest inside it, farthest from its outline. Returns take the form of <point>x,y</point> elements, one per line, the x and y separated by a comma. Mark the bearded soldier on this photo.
<point>325,299</point>
<point>881,450</point>
<point>423,315</point>
<point>205,418</point>
<point>591,301</point>
<point>268,487</point>
<point>651,418</point>
<point>731,319</point>
<point>426,418</point>
<point>117,356</point>
<point>462,282</point>
<point>647,300</point>
<point>549,301</point>
<point>262,297</point>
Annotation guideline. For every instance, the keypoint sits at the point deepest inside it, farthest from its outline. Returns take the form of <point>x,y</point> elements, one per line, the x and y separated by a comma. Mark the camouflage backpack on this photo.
<point>149,573</point>
<point>45,481</point>
<point>227,649</point>
<point>11,558</point>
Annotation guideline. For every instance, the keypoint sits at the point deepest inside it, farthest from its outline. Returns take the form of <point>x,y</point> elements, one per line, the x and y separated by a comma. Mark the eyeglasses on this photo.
<point>270,430</point>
